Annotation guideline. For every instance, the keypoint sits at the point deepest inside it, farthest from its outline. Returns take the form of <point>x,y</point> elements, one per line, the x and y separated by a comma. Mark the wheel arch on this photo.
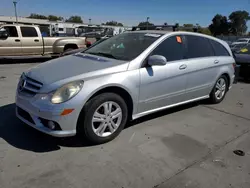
<point>121,91</point>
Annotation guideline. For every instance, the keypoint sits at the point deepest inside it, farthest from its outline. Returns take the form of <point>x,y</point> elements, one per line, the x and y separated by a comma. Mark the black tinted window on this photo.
<point>28,32</point>
<point>198,47</point>
<point>219,49</point>
<point>11,30</point>
<point>171,49</point>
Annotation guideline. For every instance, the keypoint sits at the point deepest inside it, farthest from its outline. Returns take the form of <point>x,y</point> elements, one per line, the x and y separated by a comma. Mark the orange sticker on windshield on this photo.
<point>178,39</point>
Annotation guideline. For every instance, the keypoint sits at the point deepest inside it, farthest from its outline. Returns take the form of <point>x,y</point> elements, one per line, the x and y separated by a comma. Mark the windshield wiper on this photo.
<point>103,54</point>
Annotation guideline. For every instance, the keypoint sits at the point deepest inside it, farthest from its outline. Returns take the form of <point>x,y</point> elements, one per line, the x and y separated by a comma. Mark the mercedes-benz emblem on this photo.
<point>22,85</point>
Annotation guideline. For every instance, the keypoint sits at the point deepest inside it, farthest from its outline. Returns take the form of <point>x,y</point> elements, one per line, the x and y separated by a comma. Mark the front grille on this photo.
<point>25,115</point>
<point>29,86</point>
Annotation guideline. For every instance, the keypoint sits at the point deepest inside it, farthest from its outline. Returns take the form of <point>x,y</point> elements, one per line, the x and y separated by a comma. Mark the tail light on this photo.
<point>234,65</point>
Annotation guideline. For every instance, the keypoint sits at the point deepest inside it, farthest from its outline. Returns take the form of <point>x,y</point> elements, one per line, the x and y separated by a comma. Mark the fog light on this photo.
<point>51,125</point>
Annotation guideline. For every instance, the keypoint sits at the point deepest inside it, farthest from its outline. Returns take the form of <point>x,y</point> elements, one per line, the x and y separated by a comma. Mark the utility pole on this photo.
<point>147,22</point>
<point>15,2</point>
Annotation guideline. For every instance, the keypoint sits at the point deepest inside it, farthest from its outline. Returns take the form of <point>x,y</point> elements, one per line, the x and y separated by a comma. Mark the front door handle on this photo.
<point>216,62</point>
<point>36,40</point>
<point>183,67</point>
<point>17,40</point>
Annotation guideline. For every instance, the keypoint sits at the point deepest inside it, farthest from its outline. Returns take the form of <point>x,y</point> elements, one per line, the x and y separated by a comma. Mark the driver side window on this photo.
<point>12,31</point>
<point>171,48</point>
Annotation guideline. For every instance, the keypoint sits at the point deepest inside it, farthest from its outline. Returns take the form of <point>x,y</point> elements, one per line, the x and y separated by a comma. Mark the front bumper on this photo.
<point>67,123</point>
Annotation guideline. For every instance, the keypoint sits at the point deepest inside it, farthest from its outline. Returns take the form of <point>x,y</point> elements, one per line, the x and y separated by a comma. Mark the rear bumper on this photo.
<point>237,71</point>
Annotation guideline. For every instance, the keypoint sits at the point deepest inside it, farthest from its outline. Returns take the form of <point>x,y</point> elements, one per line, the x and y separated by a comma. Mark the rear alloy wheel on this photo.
<point>103,118</point>
<point>219,91</point>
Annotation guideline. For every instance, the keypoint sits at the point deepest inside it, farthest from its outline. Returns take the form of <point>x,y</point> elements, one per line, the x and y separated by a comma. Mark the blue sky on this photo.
<point>130,12</point>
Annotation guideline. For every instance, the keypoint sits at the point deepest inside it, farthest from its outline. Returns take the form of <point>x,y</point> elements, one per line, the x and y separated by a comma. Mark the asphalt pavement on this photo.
<point>190,146</point>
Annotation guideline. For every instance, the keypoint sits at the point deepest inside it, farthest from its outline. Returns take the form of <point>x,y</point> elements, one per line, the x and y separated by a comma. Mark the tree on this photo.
<point>220,25</point>
<point>204,30</point>
<point>37,16</point>
<point>188,25</point>
<point>75,19</point>
<point>145,25</point>
<point>113,23</point>
<point>239,20</point>
<point>55,18</point>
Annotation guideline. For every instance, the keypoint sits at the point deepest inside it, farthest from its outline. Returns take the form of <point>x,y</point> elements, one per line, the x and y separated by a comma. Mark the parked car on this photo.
<point>238,47</point>
<point>24,40</point>
<point>241,41</point>
<point>125,77</point>
<point>82,49</point>
<point>242,58</point>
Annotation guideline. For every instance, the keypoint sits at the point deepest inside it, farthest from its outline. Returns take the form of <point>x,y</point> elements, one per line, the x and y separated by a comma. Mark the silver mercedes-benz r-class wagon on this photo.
<point>95,92</point>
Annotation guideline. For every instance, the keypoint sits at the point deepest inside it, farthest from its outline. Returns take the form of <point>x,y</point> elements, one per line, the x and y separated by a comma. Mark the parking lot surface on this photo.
<point>189,146</point>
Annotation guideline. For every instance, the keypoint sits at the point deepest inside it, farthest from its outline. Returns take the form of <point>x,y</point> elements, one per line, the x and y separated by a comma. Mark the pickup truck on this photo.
<point>25,40</point>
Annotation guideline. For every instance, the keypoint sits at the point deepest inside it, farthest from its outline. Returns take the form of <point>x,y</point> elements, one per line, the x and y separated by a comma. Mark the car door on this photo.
<point>201,66</point>
<point>31,42</point>
<point>11,45</point>
<point>161,86</point>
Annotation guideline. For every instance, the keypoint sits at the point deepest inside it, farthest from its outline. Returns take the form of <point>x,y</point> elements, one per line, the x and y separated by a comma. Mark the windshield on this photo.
<point>126,46</point>
<point>242,40</point>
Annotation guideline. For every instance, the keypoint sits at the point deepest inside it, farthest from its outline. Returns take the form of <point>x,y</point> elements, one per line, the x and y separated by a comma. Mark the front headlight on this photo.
<point>67,92</point>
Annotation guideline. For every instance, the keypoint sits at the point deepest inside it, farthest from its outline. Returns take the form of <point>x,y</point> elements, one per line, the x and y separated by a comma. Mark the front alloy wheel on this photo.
<point>103,118</point>
<point>107,119</point>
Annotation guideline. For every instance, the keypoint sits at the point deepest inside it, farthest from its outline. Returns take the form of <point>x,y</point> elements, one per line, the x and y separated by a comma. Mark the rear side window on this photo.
<point>171,49</point>
<point>198,47</point>
<point>219,49</point>
<point>28,32</point>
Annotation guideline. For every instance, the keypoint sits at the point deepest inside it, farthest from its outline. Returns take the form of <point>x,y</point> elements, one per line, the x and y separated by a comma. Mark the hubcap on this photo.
<point>220,88</point>
<point>106,119</point>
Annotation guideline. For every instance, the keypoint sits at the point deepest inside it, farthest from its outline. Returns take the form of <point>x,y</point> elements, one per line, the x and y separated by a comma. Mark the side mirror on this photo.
<point>4,34</point>
<point>155,60</point>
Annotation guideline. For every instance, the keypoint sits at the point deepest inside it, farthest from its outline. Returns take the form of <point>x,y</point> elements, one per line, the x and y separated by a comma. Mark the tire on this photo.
<point>69,49</point>
<point>214,98</point>
<point>246,78</point>
<point>90,131</point>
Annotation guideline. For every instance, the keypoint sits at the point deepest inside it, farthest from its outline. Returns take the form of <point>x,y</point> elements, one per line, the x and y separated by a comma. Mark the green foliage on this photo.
<point>220,25</point>
<point>37,16</point>
<point>188,25</point>
<point>239,21</point>
<point>113,23</point>
<point>55,18</point>
<point>236,24</point>
<point>145,25</point>
<point>205,31</point>
<point>75,19</point>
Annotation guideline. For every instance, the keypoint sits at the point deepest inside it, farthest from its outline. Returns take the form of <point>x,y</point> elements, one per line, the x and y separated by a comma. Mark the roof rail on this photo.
<point>160,27</point>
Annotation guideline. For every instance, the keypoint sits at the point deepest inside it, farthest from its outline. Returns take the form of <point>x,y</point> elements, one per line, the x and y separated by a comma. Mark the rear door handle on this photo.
<point>183,67</point>
<point>17,40</point>
<point>36,40</point>
<point>216,62</point>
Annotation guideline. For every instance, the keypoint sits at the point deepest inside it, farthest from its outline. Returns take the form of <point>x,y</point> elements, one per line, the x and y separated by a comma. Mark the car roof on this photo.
<point>8,25</point>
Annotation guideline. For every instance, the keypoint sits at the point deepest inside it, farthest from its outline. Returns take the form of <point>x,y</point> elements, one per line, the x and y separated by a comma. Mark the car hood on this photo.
<point>72,66</point>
